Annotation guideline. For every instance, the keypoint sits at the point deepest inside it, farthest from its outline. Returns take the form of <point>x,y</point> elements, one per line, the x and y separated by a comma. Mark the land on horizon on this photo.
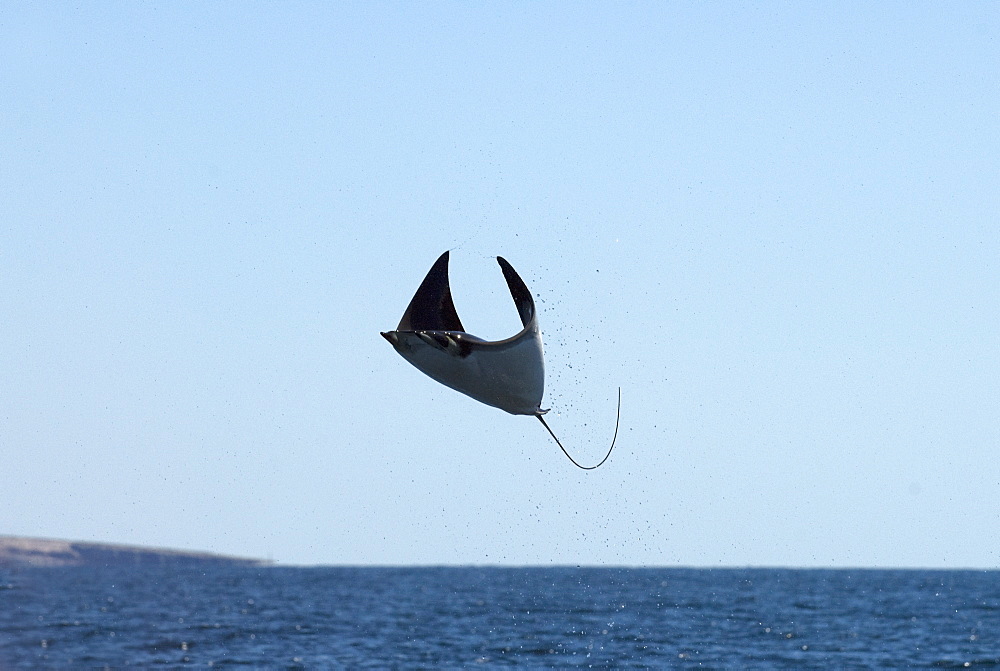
<point>18,551</point>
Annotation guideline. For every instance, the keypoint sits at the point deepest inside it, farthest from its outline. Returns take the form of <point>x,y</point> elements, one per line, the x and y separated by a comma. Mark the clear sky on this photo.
<point>776,227</point>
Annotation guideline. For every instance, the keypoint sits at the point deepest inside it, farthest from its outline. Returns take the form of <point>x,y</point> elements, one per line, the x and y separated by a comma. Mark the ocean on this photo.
<point>478,617</point>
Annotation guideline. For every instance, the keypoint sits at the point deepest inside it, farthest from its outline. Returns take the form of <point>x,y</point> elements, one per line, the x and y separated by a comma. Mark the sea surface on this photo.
<point>460,618</point>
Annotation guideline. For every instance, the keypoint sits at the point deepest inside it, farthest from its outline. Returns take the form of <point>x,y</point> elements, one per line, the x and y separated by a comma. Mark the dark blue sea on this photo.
<point>458,618</point>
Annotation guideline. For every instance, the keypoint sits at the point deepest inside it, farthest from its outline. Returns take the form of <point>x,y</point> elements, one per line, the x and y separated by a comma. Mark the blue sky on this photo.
<point>775,227</point>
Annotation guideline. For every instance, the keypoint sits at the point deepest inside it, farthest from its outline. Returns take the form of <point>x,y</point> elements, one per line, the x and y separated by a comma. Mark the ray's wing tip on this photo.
<point>506,267</point>
<point>443,259</point>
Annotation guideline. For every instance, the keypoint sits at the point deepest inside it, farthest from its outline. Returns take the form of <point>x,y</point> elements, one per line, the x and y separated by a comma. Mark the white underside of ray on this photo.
<point>510,376</point>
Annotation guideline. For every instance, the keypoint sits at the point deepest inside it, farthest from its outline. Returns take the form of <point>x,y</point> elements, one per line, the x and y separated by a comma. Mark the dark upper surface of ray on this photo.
<point>432,308</point>
<point>518,291</point>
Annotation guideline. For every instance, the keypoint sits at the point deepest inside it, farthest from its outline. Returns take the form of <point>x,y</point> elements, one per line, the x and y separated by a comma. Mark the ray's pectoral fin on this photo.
<point>431,308</point>
<point>519,292</point>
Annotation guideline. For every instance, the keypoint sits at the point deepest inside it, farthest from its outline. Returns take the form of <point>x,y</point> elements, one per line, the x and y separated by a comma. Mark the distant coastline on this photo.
<point>18,551</point>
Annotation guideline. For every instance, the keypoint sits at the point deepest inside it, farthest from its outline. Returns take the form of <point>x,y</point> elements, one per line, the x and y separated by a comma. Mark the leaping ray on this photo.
<point>508,374</point>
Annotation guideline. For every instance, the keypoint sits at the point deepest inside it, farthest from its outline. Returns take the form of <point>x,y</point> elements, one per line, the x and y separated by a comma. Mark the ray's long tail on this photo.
<point>588,468</point>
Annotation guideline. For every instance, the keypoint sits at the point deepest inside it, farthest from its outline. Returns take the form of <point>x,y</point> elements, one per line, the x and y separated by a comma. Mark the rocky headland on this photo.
<point>38,552</point>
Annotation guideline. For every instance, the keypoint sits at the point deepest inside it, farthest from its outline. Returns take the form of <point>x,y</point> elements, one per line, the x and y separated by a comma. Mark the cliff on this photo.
<point>15,551</point>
